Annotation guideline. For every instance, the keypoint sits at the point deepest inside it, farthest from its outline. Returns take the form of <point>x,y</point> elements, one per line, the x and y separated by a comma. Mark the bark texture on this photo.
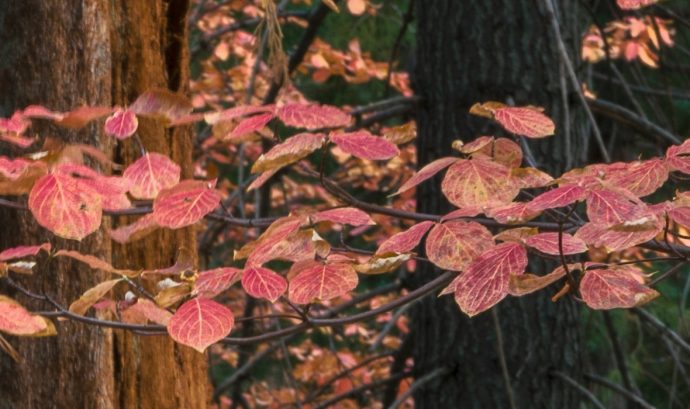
<point>475,51</point>
<point>62,54</point>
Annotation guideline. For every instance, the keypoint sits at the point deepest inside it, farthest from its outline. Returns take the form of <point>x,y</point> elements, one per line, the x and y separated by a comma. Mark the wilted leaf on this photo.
<point>171,295</point>
<point>524,284</point>
<point>312,116</point>
<point>453,245</point>
<point>135,231</point>
<point>121,124</point>
<point>149,311</point>
<point>604,289</point>
<point>364,145</point>
<point>261,282</point>
<point>501,150</point>
<point>150,174</point>
<point>293,149</point>
<point>16,320</point>
<point>322,282</point>
<point>210,283</point>
<point>401,134</point>
<point>382,264</point>
<point>65,207</point>
<point>91,296</point>
<point>548,243</point>
<point>518,234</point>
<point>426,173</point>
<point>406,241</point>
<point>478,183</point>
<point>23,251</point>
<point>161,102</point>
<point>95,262</point>
<point>185,204</point>
<point>200,322</point>
<point>343,215</point>
<point>486,280</point>
<point>236,112</point>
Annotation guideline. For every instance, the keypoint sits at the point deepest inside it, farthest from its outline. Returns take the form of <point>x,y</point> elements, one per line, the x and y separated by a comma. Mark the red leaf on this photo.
<point>16,124</point>
<point>122,124</point>
<point>210,283</point>
<point>343,215</point>
<point>66,207</point>
<point>113,189</point>
<point>529,178</point>
<point>453,245</point>
<point>293,149</point>
<point>18,140</point>
<point>641,178</point>
<point>150,174</point>
<point>298,246</point>
<point>486,280</point>
<point>678,157</point>
<point>526,121</point>
<point>261,282</point>
<point>634,4</point>
<point>135,231</point>
<point>558,197</point>
<point>427,172</point>
<point>322,282</point>
<point>680,215</point>
<point>263,178</point>
<point>406,241</point>
<point>478,183</point>
<point>462,213</point>
<point>16,320</point>
<point>23,251</point>
<point>548,243</point>
<point>185,204</point>
<point>600,236</point>
<point>608,207</point>
<point>501,150</point>
<point>614,288</point>
<point>512,213</point>
<point>236,112</point>
<point>312,116</point>
<point>250,125</point>
<point>364,145</point>
<point>260,248</point>
<point>199,323</point>
<point>161,102</point>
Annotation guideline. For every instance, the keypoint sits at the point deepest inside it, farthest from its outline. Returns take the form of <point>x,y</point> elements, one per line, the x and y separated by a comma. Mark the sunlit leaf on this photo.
<point>200,322</point>
<point>150,174</point>
<point>524,121</point>
<point>161,102</point>
<point>322,282</point>
<point>261,282</point>
<point>559,197</point>
<point>250,125</point>
<point>312,116</point>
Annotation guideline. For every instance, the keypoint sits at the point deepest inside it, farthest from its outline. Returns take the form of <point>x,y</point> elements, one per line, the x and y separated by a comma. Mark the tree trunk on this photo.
<point>62,54</point>
<point>475,51</point>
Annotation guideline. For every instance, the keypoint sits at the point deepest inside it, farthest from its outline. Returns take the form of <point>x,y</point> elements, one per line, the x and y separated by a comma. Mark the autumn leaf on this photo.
<point>641,178</point>
<point>559,197</point>
<point>65,207</point>
<point>79,117</point>
<point>364,145</point>
<point>343,215</point>
<point>250,125</point>
<point>548,243</point>
<point>604,289</point>
<point>609,207</point>
<point>185,204</point>
<point>150,174</point>
<point>454,244</point>
<point>312,116</point>
<point>634,4</point>
<point>406,241</point>
<point>135,231</point>
<point>293,149</point>
<point>162,103</point>
<point>91,296</point>
<point>210,283</point>
<point>524,284</point>
<point>322,282</point>
<point>597,235</point>
<point>121,124</point>
<point>23,251</point>
<point>524,121</point>
<point>94,262</point>
<point>478,183</point>
<point>426,173</point>
<point>261,282</point>
<point>200,322</point>
<point>16,320</point>
<point>486,280</point>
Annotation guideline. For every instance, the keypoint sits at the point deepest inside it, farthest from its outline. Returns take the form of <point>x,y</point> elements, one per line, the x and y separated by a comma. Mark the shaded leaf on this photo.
<point>529,178</point>
<point>80,117</point>
<point>200,322</point>
<point>596,235</point>
<point>94,262</point>
<point>559,197</point>
<point>604,289</point>
<point>548,243</point>
<point>236,112</point>
<point>608,207</point>
<point>91,296</point>
<point>642,178</point>
<point>524,284</point>
<point>135,231</point>
<point>516,212</point>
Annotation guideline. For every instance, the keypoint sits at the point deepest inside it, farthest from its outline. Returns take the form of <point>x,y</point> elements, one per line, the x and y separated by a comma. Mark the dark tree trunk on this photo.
<point>475,51</point>
<point>63,54</point>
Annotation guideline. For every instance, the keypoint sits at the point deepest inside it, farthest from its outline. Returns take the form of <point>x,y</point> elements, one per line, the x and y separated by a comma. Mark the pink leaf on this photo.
<point>161,102</point>
<point>548,243</point>
<point>65,207</point>
<point>614,288</point>
<point>312,116</point>
<point>122,124</point>
<point>23,251</point>
<point>343,215</point>
<point>210,283</point>
<point>16,320</point>
<point>453,245</point>
<point>185,204</point>
<point>112,189</point>
<point>478,183</point>
<point>641,178</point>
<point>236,112</point>
<point>364,145</point>
<point>597,235</point>
<point>293,149</point>
<point>135,231</point>
<point>559,197</point>
<point>486,280</point>
<point>678,157</point>
<point>200,322</point>
<point>150,174</point>
<point>634,4</point>
<point>322,282</point>
<point>406,241</point>
<point>608,207</point>
<point>261,282</point>
<point>250,125</point>
<point>427,172</point>
<point>516,212</point>
<point>528,122</point>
